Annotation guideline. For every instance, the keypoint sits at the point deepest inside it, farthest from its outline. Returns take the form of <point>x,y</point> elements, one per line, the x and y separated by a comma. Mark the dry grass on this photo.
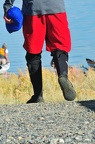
<point>17,89</point>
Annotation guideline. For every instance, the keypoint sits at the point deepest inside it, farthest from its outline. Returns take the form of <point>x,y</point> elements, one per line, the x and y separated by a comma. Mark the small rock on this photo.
<point>57,141</point>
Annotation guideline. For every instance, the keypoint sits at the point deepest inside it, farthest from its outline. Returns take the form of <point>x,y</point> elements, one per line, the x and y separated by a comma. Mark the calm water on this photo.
<point>81,17</point>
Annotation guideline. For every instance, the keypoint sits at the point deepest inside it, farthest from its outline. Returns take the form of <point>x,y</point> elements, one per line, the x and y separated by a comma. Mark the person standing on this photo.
<point>45,20</point>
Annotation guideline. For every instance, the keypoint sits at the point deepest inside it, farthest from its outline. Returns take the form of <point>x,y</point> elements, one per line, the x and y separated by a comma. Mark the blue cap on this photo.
<point>16,15</point>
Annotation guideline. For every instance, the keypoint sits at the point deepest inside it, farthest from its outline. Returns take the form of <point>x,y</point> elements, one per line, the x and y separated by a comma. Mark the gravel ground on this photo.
<point>43,123</point>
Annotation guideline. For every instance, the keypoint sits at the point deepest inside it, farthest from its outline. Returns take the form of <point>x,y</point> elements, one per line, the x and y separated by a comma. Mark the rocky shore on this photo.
<point>47,123</point>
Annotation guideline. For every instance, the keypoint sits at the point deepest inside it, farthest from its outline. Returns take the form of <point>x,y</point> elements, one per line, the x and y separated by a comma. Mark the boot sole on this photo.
<point>67,88</point>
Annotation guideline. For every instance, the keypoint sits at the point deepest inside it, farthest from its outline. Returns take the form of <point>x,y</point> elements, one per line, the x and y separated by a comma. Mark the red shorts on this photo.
<point>53,29</point>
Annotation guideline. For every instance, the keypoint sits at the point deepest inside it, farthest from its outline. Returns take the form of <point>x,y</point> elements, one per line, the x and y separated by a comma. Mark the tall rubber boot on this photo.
<point>61,63</point>
<point>35,72</point>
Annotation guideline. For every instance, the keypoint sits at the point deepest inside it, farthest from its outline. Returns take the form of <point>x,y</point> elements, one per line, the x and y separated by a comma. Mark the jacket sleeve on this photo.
<point>7,5</point>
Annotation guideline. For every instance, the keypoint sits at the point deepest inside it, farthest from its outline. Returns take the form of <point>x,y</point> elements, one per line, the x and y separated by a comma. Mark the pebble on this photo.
<point>57,141</point>
<point>48,123</point>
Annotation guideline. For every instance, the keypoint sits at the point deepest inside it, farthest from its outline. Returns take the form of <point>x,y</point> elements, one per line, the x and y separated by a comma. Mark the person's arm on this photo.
<point>6,55</point>
<point>6,6</point>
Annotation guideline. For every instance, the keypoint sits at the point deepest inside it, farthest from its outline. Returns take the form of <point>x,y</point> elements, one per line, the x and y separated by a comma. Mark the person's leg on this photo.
<point>34,34</point>
<point>35,72</point>
<point>59,43</point>
<point>58,34</point>
<point>34,31</point>
<point>0,61</point>
<point>61,63</point>
<point>3,61</point>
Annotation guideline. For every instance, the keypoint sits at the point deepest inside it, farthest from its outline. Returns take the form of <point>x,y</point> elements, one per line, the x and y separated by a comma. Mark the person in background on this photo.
<point>3,54</point>
<point>45,20</point>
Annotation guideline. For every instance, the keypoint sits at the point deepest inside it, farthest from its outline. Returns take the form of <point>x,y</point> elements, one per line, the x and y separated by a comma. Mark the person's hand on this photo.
<point>8,21</point>
<point>52,63</point>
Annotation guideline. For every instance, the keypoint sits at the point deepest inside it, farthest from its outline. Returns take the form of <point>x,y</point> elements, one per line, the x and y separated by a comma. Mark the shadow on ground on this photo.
<point>88,104</point>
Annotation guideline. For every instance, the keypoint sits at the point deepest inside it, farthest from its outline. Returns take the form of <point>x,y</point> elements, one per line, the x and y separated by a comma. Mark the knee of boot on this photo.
<point>33,62</point>
<point>34,66</point>
<point>57,53</point>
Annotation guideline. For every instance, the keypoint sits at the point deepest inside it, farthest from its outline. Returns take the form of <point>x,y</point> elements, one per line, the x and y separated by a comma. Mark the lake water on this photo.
<point>81,17</point>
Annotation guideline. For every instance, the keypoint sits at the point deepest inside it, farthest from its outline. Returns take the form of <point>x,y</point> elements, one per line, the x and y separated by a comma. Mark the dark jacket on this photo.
<point>38,7</point>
